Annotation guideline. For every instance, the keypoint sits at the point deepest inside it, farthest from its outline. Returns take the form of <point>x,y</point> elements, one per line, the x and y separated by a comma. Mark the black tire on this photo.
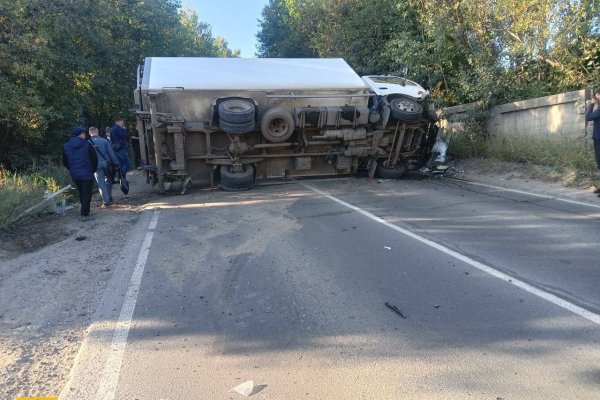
<point>405,109</point>
<point>430,115</point>
<point>277,125</point>
<point>236,111</point>
<point>236,129</point>
<point>391,173</point>
<point>237,181</point>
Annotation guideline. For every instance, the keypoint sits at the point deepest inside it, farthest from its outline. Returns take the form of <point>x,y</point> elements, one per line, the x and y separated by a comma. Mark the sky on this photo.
<point>234,20</point>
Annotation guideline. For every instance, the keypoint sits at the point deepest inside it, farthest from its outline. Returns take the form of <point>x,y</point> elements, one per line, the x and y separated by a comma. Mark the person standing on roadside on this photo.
<point>103,175</point>
<point>80,158</point>
<point>118,138</point>
<point>594,115</point>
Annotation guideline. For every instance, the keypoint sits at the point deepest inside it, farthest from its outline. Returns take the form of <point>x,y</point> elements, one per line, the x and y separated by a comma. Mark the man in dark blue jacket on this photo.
<point>118,138</point>
<point>80,158</point>
<point>591,115</point>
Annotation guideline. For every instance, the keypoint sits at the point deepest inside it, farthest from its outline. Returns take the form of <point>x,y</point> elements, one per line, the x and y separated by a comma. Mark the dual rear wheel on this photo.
<point>235,181</point>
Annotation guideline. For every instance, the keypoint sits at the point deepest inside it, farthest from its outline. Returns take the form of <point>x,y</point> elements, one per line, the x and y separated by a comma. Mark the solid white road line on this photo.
<point>485,268</point>
<point>112,368</point>
<point>581,203</point>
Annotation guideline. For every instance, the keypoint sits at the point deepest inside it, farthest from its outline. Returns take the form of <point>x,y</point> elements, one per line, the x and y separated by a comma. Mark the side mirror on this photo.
<point>403,70</point>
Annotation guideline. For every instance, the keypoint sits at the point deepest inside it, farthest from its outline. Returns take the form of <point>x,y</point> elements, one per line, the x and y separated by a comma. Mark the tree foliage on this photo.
<point>282,31</point>
<point>65,62</point>
<point>492,51</point>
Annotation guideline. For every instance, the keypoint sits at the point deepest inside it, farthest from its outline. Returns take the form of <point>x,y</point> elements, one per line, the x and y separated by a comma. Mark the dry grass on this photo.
<point>556,159</point>
<point>19,191</point>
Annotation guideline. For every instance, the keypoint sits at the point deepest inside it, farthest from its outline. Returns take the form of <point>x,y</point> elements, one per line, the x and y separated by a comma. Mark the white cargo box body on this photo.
<point>249,74</point>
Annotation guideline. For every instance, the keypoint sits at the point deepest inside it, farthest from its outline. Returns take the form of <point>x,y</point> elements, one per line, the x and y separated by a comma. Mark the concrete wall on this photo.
<point>560,114</point>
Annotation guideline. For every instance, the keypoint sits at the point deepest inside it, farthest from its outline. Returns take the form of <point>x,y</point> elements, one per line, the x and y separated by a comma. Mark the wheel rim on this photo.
<point>278,127</point>
<point>404,105</point>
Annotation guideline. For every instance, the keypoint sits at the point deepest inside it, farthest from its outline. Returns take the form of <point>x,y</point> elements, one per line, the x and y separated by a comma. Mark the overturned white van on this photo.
<point>234,120</point>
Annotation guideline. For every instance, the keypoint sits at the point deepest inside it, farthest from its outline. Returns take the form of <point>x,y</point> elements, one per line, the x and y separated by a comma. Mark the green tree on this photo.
<point>357,30</point>
<point>491,51</point>
<point>65,63</point>
<point>222,48</point>
<point>281,32</point>
<point>24,114</point>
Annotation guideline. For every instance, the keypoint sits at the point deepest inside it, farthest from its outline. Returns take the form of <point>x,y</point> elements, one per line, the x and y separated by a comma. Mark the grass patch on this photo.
<point>463,146</point>
<point>570,160</point>
<point>21,190</point>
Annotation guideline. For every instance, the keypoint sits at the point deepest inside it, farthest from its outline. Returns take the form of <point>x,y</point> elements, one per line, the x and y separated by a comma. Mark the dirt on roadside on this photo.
<point>52,275</point>
<point>532,178</point>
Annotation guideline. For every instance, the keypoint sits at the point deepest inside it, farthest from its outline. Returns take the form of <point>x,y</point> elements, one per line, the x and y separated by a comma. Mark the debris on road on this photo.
<point>395,309</point>
<point>437,170</point>
<point>54,272</point>
<point>387,247</point>
<point>247,388</point>
<point>80,238</point>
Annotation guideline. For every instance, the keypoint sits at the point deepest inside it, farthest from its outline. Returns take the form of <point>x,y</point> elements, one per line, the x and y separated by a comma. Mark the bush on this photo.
<point>472,139</point>
<point>463,146</point>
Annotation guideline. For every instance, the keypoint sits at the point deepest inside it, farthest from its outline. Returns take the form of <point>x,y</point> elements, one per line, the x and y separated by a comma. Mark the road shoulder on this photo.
<point>51,296</point>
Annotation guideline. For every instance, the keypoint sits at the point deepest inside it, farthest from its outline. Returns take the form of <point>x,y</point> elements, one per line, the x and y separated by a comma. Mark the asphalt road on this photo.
<point>287,287</point>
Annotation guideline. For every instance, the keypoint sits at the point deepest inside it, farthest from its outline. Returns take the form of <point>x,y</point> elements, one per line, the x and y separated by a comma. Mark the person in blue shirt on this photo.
<point>594,115</point>
<point>80,158</point>
<point>118,138</point>
<point>103,175</point>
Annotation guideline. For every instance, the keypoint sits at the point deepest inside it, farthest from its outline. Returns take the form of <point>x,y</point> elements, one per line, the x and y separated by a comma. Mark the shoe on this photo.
<point>86,218</point>
<point>105,205</point>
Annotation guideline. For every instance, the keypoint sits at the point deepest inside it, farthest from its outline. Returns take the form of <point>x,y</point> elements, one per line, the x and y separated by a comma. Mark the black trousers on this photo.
<point>85,195</point>
<point>597,151</point>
